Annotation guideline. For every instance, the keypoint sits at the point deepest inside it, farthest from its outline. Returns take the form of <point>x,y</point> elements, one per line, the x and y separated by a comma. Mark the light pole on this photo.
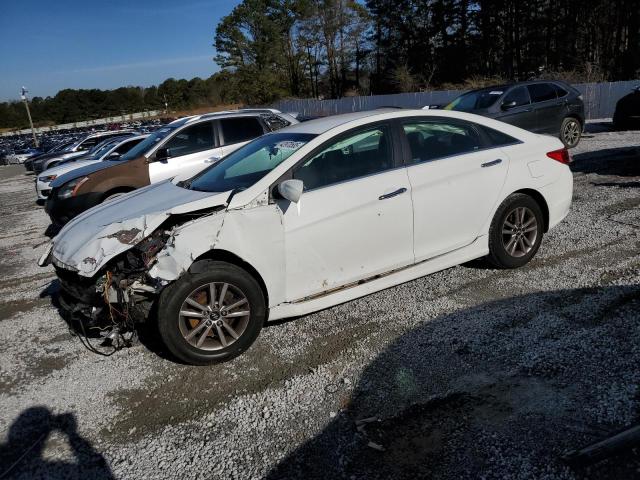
<point>23,95</point>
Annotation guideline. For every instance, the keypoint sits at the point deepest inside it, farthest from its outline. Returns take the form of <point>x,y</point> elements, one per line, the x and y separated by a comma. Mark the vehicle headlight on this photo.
<point>70,189</point>
<point>47,178</point>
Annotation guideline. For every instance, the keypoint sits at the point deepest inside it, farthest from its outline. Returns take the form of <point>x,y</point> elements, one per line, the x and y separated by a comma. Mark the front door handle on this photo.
<point>491,164</point>
<point>400,191</point>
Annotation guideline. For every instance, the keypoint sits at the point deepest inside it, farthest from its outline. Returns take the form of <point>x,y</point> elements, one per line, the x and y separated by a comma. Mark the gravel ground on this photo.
<point>467,373</point>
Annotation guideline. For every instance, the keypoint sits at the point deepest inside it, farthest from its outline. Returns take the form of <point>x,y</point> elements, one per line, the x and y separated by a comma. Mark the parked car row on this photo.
<point>220,222</point>
<point>112,148</point>
<point>19,148</point>
<point>180,149</point>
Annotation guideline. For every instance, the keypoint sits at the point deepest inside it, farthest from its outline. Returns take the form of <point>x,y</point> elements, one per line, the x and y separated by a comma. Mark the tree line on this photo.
<point>270,49</point>
<point>333,48</point>
<point>72,105</point>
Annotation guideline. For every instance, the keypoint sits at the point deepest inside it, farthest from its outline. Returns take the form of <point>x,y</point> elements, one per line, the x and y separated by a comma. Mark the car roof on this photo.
<point>243,112</point>
<point>505,86</point>
<point>323,124</point>
<point>110,132</point>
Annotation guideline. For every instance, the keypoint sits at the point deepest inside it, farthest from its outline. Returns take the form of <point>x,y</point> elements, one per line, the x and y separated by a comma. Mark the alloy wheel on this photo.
<point>519,232</point>
<point>571,133</point>
<point>214,316</point>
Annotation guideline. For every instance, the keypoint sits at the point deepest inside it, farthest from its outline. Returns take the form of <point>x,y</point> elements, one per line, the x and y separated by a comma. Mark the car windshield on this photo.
<point>101,149</point>
<point>475,100</point>
<point>147,144</point>
<point>244,167</point>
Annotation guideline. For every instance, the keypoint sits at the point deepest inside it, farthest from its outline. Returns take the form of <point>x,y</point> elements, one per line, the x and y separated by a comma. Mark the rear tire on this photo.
<point>516,232</point>
<point>570,132</point>
<point>200,315</point>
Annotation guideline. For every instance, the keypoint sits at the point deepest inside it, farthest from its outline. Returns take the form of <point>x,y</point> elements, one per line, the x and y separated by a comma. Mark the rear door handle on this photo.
<point>400,191</point>
<point>492,163</point>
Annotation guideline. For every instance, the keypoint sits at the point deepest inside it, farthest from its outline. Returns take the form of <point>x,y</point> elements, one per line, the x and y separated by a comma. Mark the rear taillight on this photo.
<point>561,156</point>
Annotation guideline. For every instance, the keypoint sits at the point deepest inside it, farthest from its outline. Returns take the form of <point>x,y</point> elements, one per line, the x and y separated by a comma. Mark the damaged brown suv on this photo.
<point>178,150</point>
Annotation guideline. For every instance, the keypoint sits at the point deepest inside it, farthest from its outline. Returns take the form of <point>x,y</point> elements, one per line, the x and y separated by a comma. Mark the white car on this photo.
<point>314,215</point>
<point>108,150</point>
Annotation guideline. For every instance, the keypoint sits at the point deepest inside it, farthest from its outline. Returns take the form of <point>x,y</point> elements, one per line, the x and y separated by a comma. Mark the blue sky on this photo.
<point>48,45</point>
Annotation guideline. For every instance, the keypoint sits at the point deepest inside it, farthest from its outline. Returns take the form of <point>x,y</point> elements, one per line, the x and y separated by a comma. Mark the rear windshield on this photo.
<point>475,100</point>
<point>244,167</point>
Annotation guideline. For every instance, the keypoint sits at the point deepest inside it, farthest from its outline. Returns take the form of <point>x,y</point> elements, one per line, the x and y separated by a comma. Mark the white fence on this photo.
<point>89,123</point>
<point>599,100</point>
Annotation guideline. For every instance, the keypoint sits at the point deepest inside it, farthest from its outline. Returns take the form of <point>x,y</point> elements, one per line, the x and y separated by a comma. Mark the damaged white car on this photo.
<point>308,217</point>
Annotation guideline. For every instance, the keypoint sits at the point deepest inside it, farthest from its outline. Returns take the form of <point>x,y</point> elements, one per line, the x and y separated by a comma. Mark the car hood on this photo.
<point>93,238</point>
<point>83,171</point>
<point>67,167</point>
<point>45,156</point>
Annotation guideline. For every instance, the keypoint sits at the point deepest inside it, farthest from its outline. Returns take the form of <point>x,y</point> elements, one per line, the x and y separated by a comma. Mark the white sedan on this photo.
<point>313,215</point>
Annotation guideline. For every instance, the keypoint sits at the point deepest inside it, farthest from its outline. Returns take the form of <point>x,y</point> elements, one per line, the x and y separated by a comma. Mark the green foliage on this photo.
<point>69,105</point>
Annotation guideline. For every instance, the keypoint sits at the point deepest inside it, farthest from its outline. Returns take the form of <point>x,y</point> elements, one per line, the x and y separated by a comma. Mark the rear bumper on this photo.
<point>559,196</point>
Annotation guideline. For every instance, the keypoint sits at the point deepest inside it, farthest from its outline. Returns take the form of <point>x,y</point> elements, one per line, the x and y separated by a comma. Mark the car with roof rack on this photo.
<point>179,149</point>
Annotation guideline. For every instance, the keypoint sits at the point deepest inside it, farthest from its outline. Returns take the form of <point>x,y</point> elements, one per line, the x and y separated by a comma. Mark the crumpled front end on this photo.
<point>104,265</point>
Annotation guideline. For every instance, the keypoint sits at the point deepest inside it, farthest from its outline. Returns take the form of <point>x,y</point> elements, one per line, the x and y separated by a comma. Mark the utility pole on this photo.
<point>26,104</point>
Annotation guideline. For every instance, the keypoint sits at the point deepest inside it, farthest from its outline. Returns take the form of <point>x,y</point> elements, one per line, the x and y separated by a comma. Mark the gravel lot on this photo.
<point>468,373</point>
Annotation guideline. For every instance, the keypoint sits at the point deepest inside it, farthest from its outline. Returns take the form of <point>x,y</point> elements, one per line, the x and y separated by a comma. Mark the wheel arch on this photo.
<point>226,256</point>
<point>119,189</point>
<point>541,201</point>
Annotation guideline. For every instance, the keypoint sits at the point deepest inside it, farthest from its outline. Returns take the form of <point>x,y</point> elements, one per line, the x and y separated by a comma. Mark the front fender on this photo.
<point>253,234</point>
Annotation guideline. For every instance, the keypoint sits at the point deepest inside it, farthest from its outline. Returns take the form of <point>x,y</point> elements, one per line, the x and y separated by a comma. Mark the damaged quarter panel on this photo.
<point>93,238</point>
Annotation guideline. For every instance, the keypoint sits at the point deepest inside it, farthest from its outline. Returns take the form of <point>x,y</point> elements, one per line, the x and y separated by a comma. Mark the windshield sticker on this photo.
<point>289,145</point>
<point>495,92</point>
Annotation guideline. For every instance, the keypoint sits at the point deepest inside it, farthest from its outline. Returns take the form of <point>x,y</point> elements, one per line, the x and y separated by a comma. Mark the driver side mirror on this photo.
<point>162,155</point>
<point>508,105</point>
<point>291,190</point>
<point>113,155</point>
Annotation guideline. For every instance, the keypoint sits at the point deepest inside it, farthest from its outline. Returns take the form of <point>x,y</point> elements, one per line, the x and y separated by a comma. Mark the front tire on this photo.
<point>516,232</point>
<point>212,316</point>
<point>570,132</point>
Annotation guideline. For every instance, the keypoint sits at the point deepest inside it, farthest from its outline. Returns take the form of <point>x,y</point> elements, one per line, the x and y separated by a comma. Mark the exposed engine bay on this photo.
<point>111,305</point>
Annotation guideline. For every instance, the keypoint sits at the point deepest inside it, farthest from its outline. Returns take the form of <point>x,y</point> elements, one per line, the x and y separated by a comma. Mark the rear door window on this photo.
<point>196,138</point>
<point>240,129</point>
<point>437,139</point>
<point>541,92</point>
<point>520,95</point>
<point>498,139</point>
<point>560,92</point>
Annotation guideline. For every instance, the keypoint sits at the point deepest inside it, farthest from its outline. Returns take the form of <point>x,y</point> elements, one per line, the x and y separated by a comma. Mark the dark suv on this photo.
<point>541,106</point>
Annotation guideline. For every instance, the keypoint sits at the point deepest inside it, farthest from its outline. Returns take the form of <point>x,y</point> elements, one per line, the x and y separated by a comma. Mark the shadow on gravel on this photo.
<point>32,434</point>
<point>618,184</point>
<point>598,127</point>
<point>500,390</point>
<point>623,161</point>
